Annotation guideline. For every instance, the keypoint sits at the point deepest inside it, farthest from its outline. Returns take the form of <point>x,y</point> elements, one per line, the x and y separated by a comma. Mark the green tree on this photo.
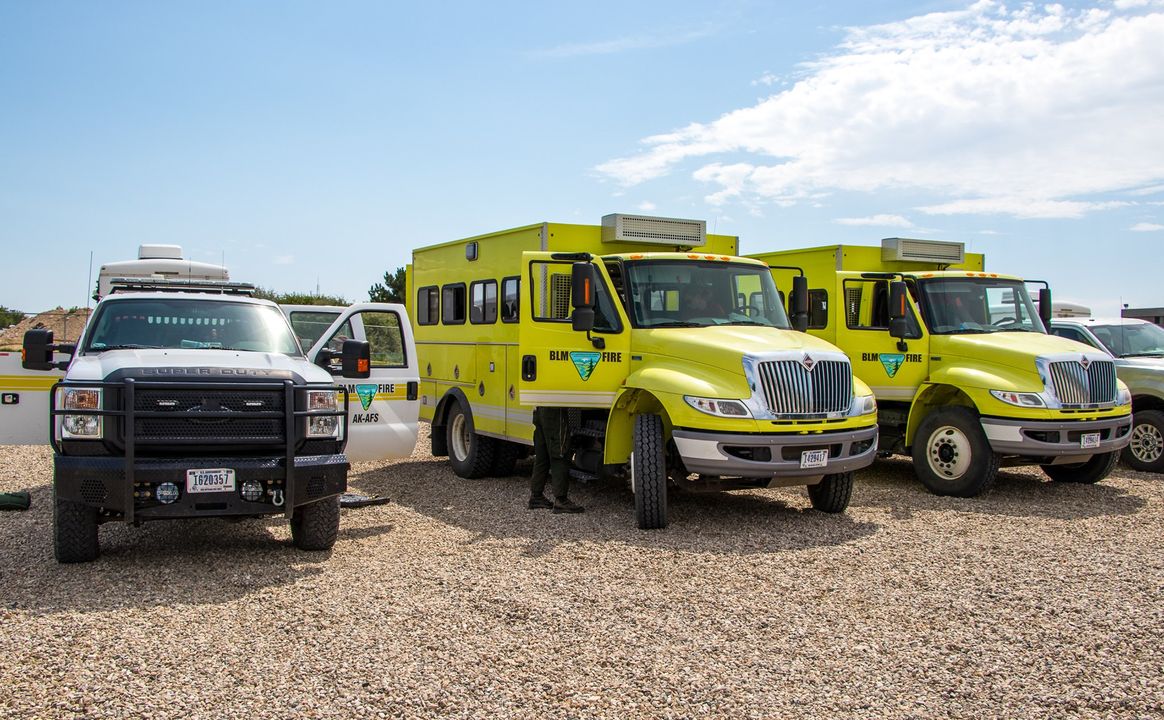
<point>8,316</point>
<point>391,290</point>
<point>298,298</point>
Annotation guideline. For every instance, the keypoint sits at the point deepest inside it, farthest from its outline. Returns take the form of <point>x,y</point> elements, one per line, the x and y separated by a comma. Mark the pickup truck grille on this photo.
<point>208,415</point>
<point>792,389</point>
<point>1077,385</point>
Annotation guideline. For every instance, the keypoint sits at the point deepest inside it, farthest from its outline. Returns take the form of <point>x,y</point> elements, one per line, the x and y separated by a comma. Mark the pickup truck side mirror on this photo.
<point>1045,309</point>
<point>357,359</point>
<point>583,280</point>
<point>799,303</point>
<point>37,351</point>
<point>898,324</point>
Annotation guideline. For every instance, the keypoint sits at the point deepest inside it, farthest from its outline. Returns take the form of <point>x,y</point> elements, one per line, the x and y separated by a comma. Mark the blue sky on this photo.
<point>318,143</point>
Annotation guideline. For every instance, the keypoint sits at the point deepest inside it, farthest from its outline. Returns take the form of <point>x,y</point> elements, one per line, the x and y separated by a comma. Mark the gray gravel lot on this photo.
<point>1039,600</point>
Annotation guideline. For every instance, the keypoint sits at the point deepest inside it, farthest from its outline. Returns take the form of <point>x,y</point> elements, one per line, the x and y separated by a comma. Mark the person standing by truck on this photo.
<point>550,463</point>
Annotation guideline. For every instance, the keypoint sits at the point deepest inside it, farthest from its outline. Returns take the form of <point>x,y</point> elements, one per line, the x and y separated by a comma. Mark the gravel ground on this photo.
<point>453,600</point>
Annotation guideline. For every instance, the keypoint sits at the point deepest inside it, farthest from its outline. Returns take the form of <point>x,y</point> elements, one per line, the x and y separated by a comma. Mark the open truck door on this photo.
<point>574,342</point>
<point>383,407</point>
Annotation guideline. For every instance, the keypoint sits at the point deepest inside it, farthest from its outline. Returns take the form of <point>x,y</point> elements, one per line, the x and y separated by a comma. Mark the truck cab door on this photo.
<point>894,369</point>
<point>560,366</point>
<point>383,408</point>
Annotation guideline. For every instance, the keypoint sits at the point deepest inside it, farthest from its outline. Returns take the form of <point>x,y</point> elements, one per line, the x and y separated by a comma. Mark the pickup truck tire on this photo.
<point>316,526</point>
<point>1146,451</point>
<point>74,532</point>
<point>832,493</point>
<point>505,455</point>
<point>649,473</point>
<point>470,454</point>
<point>951,455</point>
<point>1090,472</point>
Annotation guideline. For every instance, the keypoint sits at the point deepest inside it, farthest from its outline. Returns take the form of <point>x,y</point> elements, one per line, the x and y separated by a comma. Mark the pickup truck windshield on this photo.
<point>1137,340</point>
<point>690,293</point>
<point>189,324</point>
<point>965,306</point>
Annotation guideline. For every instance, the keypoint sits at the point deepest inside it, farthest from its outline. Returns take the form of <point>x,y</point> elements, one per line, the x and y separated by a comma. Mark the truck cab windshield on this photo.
<point>1140,340</point>
<point>189,324</point>
<point>966,306</point>
<point>690,293</point>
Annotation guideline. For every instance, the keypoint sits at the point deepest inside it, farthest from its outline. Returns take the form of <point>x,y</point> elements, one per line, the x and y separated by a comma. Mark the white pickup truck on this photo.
<point>195,399</point>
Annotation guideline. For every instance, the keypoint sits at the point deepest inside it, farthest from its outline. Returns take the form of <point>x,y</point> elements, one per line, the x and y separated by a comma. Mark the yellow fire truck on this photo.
<point>965,374</point>
<point>674,356</point>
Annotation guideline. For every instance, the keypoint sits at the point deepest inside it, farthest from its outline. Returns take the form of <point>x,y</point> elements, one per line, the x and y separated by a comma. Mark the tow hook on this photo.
<point>278,497</point>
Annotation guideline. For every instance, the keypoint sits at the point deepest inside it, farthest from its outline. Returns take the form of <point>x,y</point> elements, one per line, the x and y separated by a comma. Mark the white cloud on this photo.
<point>1024,111</point>
<point>877,220</point>
<point>647,206</point>
<point>1146,227</point>
<point>284,260</point>
<point>644,41</point>
<point>1154,189</point>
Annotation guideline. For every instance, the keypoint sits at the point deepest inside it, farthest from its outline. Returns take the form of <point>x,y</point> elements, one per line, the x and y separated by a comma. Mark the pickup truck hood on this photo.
<point>725,346</point>
<point>1012,349</point>
<point>1143,375</point>
<point>178,364</point>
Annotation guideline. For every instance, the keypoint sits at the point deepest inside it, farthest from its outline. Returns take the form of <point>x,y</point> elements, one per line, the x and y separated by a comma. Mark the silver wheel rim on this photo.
<point>1147,443</point>
<point>948,452</point>
<point>461,440</point>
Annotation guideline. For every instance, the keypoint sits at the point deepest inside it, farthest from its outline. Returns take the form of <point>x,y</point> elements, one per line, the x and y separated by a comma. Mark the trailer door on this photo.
<point>560,366</point>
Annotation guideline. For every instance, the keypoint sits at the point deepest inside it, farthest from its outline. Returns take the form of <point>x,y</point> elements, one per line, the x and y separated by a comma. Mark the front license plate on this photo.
<point>210,480</point>
<point>1089,440</point>
<point>814,458</point>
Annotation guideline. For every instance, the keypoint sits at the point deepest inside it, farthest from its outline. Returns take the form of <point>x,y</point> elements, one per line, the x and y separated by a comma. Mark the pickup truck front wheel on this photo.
<point>1090,472</point>
<point>316,526</point>
<point>1146,450</point>
<point>74,532</point>
<point>951,455</point>
<point>470,454</point>
<point>649,473</point>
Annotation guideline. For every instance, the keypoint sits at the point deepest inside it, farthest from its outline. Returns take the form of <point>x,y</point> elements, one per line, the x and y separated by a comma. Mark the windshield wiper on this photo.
<point>676,323</point>
<point>1146,353</point>
<point>747,322</point>
<point>124,346</point>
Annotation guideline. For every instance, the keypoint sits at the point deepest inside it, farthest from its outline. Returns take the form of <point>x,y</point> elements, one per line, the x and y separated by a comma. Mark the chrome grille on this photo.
<point>1076,385</point>
<point>790,389</point>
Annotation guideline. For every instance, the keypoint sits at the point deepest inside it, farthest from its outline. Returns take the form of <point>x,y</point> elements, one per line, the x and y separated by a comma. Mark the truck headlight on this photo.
<point>1019,399</point>
<point>719,407</point>
<point>88,427</point>
<point>1123,396</point>
<point>319,426</point>
<point>863,405</point>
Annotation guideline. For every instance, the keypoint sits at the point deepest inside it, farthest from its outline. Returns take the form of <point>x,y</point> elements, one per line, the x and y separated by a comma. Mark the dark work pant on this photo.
<point>551,440</point>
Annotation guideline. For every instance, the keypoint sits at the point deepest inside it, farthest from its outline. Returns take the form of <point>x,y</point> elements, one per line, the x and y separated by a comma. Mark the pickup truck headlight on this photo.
<point>86,427</point>
<point>1019,399</point>
<point>719,407</point>
<point>863,405</point>
<point>322,426</point>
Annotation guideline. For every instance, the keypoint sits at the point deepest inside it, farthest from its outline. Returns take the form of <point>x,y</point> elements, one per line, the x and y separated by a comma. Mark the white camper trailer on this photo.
<point>158,262</point>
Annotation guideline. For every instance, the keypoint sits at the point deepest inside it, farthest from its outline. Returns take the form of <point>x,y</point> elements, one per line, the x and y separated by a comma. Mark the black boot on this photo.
<point>539,502</point>
<point>565,505</point>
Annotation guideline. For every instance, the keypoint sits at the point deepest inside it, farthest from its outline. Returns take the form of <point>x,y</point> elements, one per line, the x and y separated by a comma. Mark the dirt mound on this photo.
<point>65,324</point>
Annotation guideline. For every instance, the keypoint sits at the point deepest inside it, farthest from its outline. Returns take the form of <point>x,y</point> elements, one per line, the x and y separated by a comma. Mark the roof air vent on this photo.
<point>924,251</point>
<point>654,230</point>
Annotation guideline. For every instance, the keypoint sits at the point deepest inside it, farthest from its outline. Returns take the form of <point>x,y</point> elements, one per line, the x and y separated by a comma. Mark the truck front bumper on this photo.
<point>774,456</point>
<point>1050,438</point>
<point>104,482</point>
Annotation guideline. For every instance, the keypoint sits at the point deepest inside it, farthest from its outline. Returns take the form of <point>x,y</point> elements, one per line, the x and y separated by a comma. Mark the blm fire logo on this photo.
<point>892,362</point>
<point>584,361</point>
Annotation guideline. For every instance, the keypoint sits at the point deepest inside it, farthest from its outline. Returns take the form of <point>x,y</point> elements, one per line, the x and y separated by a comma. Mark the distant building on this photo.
<point>1152,315</point>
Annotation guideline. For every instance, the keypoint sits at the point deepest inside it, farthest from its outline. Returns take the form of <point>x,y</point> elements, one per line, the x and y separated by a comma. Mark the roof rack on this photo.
<point>223,287</point>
